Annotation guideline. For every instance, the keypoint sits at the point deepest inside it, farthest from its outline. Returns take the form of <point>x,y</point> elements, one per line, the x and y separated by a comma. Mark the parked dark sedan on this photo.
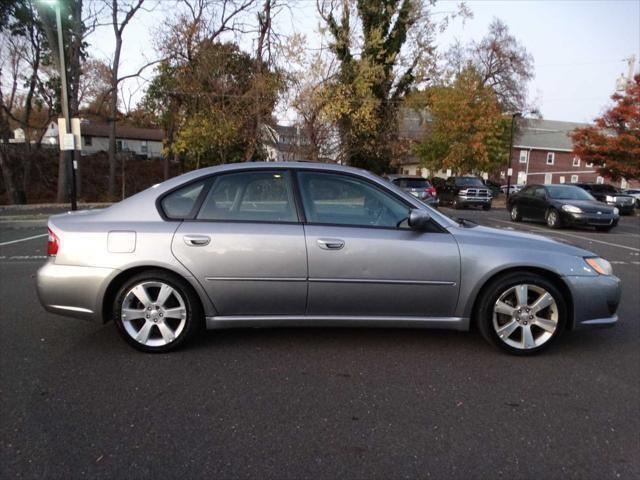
<point>560,205</point>
<point>611,196</point>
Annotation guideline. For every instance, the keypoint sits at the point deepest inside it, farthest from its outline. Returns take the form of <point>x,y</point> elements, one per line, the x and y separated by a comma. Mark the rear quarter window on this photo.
<point>182,202</point>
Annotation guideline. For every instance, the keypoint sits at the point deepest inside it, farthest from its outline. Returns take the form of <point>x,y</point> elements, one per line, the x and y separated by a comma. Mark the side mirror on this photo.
<point>419,219</point>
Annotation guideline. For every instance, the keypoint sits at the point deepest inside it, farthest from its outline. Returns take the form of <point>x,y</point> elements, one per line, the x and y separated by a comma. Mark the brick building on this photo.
<point>542,153</point>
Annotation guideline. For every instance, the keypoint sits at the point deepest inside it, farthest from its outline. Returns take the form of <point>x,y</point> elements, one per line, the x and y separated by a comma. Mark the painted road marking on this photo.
<point>23,257</point>
<point>23,239</point>
<point>573,236</point>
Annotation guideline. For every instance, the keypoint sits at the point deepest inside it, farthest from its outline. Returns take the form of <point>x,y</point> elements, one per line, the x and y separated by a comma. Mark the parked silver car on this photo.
<point>282,244</point>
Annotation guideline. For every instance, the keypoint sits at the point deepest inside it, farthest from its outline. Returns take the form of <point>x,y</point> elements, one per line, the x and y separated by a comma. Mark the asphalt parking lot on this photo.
<point>76,401</point>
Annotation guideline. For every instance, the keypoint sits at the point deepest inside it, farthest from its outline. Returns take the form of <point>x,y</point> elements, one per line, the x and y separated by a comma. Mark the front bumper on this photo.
<point>73,291</point>
<point>466,200</point>
<point>591,219</point>
<point>595,300</point>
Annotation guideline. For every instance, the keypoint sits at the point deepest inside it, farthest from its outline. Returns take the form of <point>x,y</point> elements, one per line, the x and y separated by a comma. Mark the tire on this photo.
<point>455,204</point>
<point>604,229</point>
<point>514,340</point>
<point>553,218</point>
<point>515,214</point>
<point>153,325</point>
<point>486,207</point>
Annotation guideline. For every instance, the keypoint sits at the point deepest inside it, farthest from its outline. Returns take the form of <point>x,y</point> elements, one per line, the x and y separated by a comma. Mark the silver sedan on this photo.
<point>284,244</point>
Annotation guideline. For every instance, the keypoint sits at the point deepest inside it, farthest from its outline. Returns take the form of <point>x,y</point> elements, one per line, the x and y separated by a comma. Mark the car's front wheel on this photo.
<point>156,311</point>
<point>515,214</point>
<point>553,218</point>
<point>522,313</point>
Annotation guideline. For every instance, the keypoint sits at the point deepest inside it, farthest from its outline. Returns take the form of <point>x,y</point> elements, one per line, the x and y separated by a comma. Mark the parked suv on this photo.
<point>462,192</point>
<point>635,193</point>
<point>610,195</point>
<point>417,186</point>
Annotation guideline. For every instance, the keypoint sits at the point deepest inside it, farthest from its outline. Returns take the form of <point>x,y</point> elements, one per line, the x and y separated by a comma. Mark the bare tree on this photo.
<point>121,15</point>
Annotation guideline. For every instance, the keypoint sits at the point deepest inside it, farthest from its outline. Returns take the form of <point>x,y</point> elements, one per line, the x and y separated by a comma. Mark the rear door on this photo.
<point>538,203</point>
<point>246,245</point>
<point>364,260</point>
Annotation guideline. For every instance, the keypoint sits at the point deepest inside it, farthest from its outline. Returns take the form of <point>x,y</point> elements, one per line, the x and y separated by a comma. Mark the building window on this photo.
<point>599,180</point>
<point>143,146</point>
<point>576,161</point>
<point>118,145</point>
<point>562,180</point>
<point>574,178</point>
<point>551,158</point>
<point>588,164</point>
<point>524,156</point>
<point>88,141</point>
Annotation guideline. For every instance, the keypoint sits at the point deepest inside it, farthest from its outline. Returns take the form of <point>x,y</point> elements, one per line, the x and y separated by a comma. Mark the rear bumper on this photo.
<point>595,300</point>
<point>73,291</point>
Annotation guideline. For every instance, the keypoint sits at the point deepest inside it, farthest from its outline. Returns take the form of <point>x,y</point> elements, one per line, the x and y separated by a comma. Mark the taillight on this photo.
<point>53,243</point>
<point>431,191</point>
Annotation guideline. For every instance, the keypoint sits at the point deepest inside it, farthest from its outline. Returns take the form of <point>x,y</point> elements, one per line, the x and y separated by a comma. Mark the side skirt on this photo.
<point>271,321</point>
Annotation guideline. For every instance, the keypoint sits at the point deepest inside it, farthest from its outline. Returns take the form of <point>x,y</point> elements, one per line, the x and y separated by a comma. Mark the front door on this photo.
<point>246,246</point>
<point>365,261</point>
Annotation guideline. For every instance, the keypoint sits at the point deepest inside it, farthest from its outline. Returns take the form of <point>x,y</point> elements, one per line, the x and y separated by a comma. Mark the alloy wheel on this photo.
<point>525,316</point>
<point>552,218</point>
<point>153,313</point>
<point>514,213</point>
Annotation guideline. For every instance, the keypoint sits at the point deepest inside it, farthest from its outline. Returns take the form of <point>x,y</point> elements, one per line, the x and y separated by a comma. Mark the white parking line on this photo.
<point>555,232</point>
<point>23,239</point>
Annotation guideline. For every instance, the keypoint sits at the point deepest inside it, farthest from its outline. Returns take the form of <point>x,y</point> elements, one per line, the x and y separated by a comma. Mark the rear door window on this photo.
<point>250,196</point>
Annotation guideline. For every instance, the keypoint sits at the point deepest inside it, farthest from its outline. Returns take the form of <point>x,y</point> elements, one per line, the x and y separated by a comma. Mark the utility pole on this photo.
<point>65,104</point>
<point>509,169</point>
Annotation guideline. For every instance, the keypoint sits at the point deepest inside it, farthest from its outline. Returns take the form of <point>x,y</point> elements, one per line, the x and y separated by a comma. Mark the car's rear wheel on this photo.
<point>553,218</point>
<point>515,214</point>
<point>156,311</point>
<point>522,313</point>
<point>605,229</point>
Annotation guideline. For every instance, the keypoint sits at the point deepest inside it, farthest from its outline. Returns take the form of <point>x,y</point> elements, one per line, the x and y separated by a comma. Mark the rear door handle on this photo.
<point>196,240</point>
<point>330,243</point>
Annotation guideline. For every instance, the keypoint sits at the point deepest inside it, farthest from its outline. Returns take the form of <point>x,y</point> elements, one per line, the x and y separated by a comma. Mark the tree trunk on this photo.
<point>113,112</point>
<point>7,175</point>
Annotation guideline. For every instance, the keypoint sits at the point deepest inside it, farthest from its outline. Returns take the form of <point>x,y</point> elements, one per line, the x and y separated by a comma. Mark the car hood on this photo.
<point>513,239</point>
<point>588,206</point>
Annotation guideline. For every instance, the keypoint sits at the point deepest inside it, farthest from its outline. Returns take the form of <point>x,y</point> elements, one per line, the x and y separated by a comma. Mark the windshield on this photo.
<point>568,192</point>
<point>469,182</point>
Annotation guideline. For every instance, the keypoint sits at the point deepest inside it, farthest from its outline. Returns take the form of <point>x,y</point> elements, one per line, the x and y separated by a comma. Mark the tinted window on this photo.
<point>250,196</point>
<point>344,200</point>
<point>469,182</point>
<point>568,192</point>
<point>411,183</point>
<point>538,192</point>
<point>180,203</point>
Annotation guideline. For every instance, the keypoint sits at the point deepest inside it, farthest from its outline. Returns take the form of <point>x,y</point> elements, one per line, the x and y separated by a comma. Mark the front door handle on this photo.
<point>330,243</point>
<point>196,240</point>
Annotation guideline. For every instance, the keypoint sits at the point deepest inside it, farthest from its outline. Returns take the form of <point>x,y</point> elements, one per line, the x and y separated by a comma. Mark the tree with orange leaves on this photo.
<point>613,143</point>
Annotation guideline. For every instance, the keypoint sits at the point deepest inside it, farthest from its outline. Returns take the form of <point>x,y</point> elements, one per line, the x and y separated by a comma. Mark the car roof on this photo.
<point>412,177</point>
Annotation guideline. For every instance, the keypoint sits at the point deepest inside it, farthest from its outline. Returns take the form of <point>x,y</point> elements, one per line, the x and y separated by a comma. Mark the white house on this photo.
<point>145,142</point>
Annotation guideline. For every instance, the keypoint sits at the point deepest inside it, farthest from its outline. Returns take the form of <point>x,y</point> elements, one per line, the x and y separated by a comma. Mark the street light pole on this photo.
<point>513,121</point>
<point>65,106</point>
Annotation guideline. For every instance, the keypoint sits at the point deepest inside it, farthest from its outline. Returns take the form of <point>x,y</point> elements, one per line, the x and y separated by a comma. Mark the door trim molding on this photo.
<point>382,280</point>
<point>256,279</point>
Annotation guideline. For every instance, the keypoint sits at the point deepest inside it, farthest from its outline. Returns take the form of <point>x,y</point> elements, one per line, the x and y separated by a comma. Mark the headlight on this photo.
<point>571,209</point>
<point>609,198</point>
<point>616,211</point>
<point>463,192</point>
<point>600,265</point>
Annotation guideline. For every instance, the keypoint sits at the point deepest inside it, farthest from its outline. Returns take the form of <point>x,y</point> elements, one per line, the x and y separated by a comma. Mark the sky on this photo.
<point>579,47</point>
